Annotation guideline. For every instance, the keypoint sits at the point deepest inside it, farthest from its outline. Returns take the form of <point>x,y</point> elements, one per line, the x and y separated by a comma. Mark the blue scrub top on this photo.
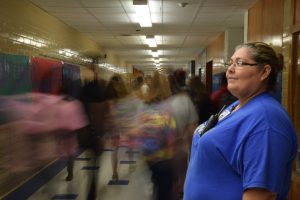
<point>252,147</point>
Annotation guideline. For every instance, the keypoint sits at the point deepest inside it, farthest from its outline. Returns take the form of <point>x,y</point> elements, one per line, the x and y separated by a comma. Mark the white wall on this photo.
<point>233,37</point>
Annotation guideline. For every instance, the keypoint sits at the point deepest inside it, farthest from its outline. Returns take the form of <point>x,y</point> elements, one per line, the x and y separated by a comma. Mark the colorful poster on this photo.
<point>14,74</point>
<point>46,75</point>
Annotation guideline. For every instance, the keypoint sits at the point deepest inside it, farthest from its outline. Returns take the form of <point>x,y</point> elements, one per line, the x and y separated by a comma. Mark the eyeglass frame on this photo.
<point>240,63</point>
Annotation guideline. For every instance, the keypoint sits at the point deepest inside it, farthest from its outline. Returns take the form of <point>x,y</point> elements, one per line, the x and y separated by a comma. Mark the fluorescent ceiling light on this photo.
<point>150,40</point>
<point>142,12</point>
<point>154,53</point>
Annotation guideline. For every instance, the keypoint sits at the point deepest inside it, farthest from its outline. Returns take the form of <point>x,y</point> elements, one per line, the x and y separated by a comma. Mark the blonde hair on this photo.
<point>159,89</point>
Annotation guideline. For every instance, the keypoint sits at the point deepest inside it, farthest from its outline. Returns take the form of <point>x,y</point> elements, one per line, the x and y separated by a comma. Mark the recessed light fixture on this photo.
<point>142,12</point>
<point>183,4</point>
<point>154,53</point>
<point>150,40</point>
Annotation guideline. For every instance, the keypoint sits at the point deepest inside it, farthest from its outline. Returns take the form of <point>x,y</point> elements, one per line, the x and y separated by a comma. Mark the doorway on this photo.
<point>294,110</point>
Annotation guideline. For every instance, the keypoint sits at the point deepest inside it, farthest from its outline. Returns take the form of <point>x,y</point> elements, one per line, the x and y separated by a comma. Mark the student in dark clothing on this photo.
<point>88,138</point>
<point>201,99</point>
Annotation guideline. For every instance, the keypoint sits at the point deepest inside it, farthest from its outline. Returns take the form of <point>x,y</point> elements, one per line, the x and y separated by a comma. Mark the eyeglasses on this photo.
<point>240,63</point>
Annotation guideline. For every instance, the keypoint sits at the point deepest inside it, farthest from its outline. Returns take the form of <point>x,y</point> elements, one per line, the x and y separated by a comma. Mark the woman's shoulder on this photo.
<point>269,111</point>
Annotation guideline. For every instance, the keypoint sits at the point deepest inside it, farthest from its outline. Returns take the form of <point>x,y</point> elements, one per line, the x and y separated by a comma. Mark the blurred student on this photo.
<point>201,99</point>
<point>114,92</point>
<point>91,137</point>
<point>145,86</point>
<point>186,118</point>
<point>156,137</point>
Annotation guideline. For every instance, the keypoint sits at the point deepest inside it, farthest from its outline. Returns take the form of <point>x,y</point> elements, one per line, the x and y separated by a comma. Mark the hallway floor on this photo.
<point>134,179</point>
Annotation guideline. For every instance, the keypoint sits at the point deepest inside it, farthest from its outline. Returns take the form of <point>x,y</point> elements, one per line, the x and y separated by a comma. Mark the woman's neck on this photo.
<point>243,101</point>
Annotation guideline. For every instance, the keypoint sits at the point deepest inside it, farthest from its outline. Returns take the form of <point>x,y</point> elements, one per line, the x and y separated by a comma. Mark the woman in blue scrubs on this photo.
<point>246,151</point>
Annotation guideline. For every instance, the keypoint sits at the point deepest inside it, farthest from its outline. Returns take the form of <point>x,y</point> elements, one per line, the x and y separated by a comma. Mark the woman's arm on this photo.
<point>258,194</point>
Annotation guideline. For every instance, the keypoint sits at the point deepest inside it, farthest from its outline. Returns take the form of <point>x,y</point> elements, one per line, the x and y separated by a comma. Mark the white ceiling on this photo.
<point>181,32</point>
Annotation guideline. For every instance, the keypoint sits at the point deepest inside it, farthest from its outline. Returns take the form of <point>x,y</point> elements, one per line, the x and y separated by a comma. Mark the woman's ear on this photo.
<point>265,72</point>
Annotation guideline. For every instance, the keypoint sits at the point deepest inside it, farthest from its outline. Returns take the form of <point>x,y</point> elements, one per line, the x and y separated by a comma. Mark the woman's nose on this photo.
<point>230,68</point>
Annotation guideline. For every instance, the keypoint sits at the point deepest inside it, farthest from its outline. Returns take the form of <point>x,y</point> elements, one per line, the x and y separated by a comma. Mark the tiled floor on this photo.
<point>135,183</point>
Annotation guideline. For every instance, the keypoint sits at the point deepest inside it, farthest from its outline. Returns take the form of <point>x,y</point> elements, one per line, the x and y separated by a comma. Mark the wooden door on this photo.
<point>295,112</point>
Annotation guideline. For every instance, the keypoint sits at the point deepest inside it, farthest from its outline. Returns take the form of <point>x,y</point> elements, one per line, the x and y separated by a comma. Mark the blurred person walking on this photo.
<point>187,118</point>
<point>145,87</point>
<point>91,137</point>
<point>201,99</point>
<point>114,93</point>
<point>156,136</point>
